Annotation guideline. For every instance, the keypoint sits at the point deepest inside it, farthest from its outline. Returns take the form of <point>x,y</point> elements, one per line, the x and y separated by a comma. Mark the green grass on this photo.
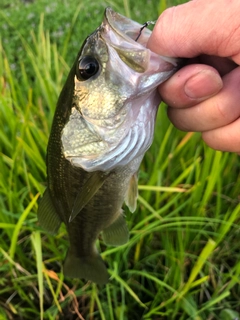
<point>183,258</point>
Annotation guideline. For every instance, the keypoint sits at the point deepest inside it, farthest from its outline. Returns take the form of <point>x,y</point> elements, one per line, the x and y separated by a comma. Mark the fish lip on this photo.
<point>129,30</point>
<point>125,27</point>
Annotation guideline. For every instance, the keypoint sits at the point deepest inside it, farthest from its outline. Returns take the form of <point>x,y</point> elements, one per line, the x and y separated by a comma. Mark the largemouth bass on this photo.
<point>103,125</point>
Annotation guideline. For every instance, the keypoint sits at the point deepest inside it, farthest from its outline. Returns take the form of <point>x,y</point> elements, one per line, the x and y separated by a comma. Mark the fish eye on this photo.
<point>87,67</point>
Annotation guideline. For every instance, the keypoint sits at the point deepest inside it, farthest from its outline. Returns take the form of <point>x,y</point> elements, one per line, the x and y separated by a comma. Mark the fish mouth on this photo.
<point>126,28</point>
<point>129,38</point>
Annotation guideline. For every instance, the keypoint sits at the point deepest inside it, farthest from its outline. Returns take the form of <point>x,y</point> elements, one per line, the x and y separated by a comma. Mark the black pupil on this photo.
<point>88,67</point>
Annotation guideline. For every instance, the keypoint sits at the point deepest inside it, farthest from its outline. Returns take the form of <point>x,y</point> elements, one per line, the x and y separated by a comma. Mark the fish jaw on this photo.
<point>121,33</point>
<point>113,116</point>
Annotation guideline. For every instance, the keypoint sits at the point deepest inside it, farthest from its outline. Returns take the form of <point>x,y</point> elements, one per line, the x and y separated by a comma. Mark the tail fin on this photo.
<point>90,268</point>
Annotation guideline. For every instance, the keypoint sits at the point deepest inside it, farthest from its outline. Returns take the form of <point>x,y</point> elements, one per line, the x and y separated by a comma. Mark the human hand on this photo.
<point>203,96</point>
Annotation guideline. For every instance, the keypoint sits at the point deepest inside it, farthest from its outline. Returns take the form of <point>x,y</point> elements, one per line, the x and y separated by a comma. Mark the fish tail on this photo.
<point>90,267</point>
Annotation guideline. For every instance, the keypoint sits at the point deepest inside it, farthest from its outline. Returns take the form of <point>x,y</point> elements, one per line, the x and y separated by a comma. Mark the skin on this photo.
<point>207,90</point>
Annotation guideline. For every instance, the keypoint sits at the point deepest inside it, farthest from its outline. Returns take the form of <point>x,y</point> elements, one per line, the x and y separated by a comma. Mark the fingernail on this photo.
<point>204,84</point>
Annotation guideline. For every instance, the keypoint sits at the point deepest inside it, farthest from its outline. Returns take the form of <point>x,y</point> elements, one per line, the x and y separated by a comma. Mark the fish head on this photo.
<point>115,96</point>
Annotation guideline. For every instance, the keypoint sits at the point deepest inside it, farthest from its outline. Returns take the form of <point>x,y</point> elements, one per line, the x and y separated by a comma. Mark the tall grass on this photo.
<point>182,259</point>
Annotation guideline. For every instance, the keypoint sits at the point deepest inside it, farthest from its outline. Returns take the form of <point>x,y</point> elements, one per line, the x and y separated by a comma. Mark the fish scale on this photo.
<point>103,125</point>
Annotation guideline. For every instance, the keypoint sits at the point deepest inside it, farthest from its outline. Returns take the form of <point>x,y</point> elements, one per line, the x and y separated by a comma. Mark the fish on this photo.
<point>102,127</point>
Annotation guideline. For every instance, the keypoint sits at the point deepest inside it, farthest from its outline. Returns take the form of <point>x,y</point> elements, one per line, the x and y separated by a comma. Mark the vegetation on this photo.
<point>183,258</point>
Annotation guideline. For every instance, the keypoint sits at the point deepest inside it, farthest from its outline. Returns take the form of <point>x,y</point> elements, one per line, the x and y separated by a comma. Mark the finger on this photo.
<point>191,85</point>
<point>214,112</point>
<point>222,65</point>
<point>226,138</point>
<point>195,28</point>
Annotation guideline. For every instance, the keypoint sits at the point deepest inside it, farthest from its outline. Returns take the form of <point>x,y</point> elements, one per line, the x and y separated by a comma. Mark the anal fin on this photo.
<point>47,215</point>
<point>117,233</point>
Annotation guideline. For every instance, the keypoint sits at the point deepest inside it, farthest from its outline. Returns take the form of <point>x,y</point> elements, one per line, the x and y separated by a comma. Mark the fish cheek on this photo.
<point>101,99</point>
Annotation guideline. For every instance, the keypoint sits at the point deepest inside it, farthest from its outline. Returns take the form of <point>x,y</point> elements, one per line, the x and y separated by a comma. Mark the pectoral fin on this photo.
<point>117,233</point>
<point>92,185</point>
<point>132,193</point>
<point>47,215</point>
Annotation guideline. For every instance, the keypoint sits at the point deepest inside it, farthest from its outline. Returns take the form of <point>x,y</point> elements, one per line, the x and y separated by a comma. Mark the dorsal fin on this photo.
<point>47,215</point>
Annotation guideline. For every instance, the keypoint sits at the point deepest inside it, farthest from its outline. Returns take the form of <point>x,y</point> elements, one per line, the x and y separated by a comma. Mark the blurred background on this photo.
<point>182,259</point>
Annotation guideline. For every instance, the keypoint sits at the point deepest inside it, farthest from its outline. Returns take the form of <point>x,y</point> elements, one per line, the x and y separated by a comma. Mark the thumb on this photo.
<point>198,27</point>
